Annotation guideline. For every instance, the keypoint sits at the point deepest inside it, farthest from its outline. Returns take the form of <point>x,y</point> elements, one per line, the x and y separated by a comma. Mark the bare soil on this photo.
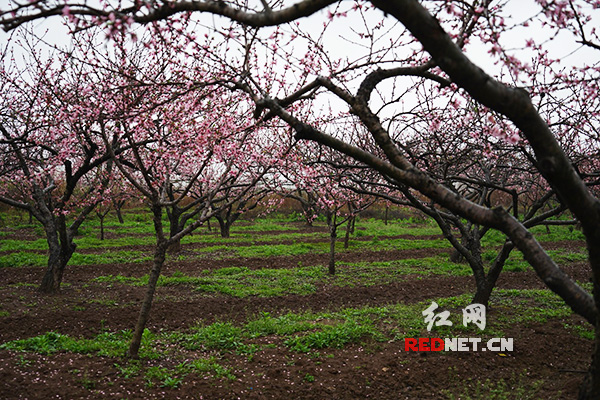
<point>547,356</point>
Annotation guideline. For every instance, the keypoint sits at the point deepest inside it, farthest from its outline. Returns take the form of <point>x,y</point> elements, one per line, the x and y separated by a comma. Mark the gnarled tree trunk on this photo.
<point>60,250</point>
<point>225,227</point>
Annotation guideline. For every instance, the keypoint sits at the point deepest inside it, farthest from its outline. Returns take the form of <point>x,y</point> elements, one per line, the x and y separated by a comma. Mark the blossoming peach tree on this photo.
<point>317,177</point>
<point>187,138</point>
<point>51,162</point>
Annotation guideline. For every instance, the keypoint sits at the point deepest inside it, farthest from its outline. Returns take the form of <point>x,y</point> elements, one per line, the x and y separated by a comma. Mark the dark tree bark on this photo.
<point>101,214</point>
<point>349,230</point>
<point>60,250</point>
<point>331,222</point>
<point>486,285</point>
<point>174,214</point>
<point>159,259</point>
<point>234,210</point>
<point>224,226</point>
<point>118,205</point>
<point>334,222</point>
<point>178,218</point>
<point>140,326</point>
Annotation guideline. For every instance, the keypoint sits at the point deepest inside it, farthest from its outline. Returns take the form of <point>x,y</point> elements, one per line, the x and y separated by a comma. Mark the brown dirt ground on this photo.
<point>547,355</point>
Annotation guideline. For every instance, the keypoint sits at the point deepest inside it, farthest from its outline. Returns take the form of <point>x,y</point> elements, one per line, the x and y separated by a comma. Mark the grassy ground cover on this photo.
<point>267,327</point>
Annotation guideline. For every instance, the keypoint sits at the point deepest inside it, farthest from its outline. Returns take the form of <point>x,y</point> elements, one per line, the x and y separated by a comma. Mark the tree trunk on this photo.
<point>456,257</point>
<point>348,231</point>
<point>225,230</point>
<point>53,276</point>
<point>486,286</point>
<point>136,340</point>
<point>590,389</point>
<point>309,219</point>
<point>54,273</point>
<point>385,218</point>
<point>119,214</point>
<point>224,226</point>
<point>307,212</point>
<point>332,237</point>
<point>174,247</point>
<point>175,226</point>
<point>59,255</point>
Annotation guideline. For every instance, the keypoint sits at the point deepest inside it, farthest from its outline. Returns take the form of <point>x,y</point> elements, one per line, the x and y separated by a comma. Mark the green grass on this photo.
<point>382,272</point>
<point>238,281</point>
<point>586,332</point>
<point>557,233</point>
<point>166,378</point>
<point>168,358</point>
<point>401,244</point>
<point>26,259</point>
<point>518,308</point>
<point>296,249</point>
<point>300,332</point>
<point>113,257</point>
<point>333,336</point>
<point>282,325</point>
<point>109,344</point>
<point>23,259</point>
<point>309,331</point>
<point>129,369</point>
<point>203,366</point>
<point>17,245</point>
<point>266,282</point>
<point>220,335</point>
<point>516,262</point>
<point>90,242</point>
<point>271,250</point>
<point>324,330</point>
<point>173,377</point>
<point>88,238</point>
<point>22,256</point>
<point>373,227</point>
